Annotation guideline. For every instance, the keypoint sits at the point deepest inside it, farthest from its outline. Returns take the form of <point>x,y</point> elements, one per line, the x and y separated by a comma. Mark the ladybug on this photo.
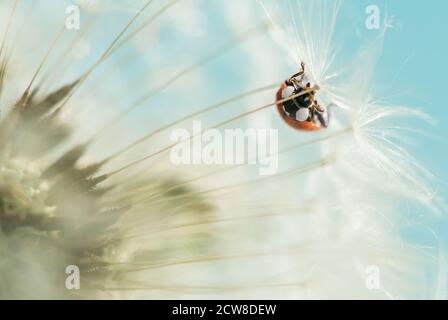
<point>302,112</point>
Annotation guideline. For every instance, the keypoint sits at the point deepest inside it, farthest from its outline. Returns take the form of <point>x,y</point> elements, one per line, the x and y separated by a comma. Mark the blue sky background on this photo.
<point>417,48</point>
<point>415,57</point>
<point>415,54</point>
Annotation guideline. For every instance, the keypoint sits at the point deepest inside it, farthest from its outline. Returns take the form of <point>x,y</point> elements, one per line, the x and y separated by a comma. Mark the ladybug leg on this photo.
<point>298,74</point>
<point>323,121</point>
<point>317,106</point>
<point>312,115</point>
<point>301,73</point>
<point>316,111</point>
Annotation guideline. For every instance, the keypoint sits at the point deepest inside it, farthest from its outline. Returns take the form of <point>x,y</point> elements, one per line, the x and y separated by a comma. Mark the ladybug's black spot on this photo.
<point>292,106</point>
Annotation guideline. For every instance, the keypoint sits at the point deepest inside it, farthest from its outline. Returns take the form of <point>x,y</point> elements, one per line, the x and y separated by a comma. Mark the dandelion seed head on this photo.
<point>23,190</point>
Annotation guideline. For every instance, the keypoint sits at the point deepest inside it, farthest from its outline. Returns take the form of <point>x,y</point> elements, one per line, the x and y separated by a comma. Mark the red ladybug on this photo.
<point>302,112</point>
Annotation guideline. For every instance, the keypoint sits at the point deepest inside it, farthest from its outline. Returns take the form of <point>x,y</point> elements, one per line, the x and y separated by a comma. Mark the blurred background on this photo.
<point>197,53</point>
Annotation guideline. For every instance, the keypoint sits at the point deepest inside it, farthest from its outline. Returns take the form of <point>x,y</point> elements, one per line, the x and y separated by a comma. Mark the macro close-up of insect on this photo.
<point>301,111</point>
<point>222,150</point>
